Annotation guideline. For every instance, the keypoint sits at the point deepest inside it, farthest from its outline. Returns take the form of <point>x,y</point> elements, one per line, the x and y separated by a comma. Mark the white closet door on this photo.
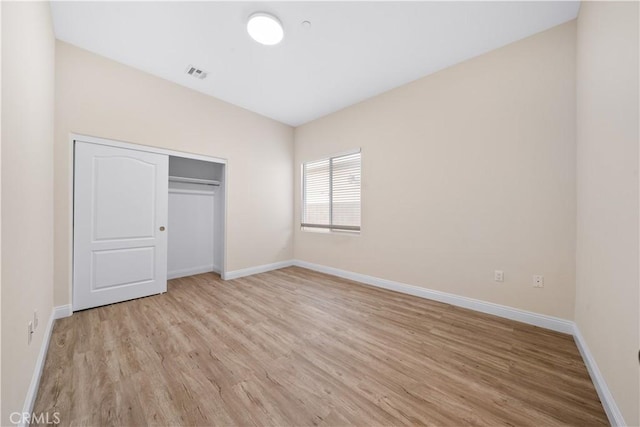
<point>120,215</point>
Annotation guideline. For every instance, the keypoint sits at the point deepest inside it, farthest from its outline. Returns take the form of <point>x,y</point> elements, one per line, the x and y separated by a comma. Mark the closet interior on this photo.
<point>195,217</point>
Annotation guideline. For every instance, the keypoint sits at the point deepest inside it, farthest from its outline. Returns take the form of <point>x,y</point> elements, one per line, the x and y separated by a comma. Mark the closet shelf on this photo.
<point>194,180</point>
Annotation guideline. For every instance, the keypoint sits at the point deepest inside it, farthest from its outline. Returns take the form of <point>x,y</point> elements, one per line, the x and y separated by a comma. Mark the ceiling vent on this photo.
<point>196,72</point>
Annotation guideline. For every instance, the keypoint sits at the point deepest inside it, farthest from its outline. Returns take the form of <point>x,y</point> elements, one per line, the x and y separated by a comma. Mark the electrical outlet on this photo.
<point>498,276</point>
<point>538,281</point>
<point>30,332</point>
<point>36,321</point>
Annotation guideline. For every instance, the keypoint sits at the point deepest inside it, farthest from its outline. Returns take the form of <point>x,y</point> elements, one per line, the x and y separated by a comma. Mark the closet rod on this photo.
<point>194,180</point>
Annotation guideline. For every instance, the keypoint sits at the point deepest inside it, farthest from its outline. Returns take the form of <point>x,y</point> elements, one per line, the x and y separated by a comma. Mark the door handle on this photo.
<point>162,228</point>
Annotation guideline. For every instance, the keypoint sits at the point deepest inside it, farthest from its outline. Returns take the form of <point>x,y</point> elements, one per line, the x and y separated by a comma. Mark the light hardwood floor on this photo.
<point>298,348</point>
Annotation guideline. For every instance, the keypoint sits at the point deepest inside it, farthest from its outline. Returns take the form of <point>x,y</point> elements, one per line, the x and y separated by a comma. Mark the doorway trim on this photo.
<point>73,137</point>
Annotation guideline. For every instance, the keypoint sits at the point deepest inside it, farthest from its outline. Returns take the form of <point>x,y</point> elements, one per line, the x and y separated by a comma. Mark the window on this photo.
<point>331,193</point>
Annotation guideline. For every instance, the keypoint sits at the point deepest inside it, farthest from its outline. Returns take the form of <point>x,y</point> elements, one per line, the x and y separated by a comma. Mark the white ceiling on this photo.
<point>352,51</point>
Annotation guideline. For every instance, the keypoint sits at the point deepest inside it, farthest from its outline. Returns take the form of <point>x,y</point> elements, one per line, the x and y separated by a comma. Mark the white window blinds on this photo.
<point>331,193</point>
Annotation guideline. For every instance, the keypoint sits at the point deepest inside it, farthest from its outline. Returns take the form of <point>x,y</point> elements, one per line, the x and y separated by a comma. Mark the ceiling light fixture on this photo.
<point>265,28</point>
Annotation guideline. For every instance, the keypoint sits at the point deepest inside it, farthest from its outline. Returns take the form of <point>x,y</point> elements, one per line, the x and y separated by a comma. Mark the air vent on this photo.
<point>196,72</point>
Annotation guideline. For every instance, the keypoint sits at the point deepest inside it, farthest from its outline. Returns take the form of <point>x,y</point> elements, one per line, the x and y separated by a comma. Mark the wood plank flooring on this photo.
<point>297,348</point>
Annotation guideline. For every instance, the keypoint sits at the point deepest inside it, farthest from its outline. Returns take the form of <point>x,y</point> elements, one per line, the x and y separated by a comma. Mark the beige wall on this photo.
<point>607,297</point>
<point>464,171</point>
<point>99,97</point>
<point>28,49</point>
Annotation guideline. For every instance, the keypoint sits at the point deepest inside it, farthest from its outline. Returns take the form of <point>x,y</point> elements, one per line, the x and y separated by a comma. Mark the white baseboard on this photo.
<point>191,271</point>
<point>236,274</point>
<point>608,403</point>
<point>62,311</point>
<point>32,392</point>
<point>541,320</point>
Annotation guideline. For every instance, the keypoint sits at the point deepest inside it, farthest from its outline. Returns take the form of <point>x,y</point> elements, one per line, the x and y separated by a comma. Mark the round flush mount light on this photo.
<point>265,28</point>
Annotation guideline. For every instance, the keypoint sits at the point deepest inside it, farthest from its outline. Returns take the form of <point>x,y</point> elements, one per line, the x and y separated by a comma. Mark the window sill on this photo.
<point>328,231</point>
